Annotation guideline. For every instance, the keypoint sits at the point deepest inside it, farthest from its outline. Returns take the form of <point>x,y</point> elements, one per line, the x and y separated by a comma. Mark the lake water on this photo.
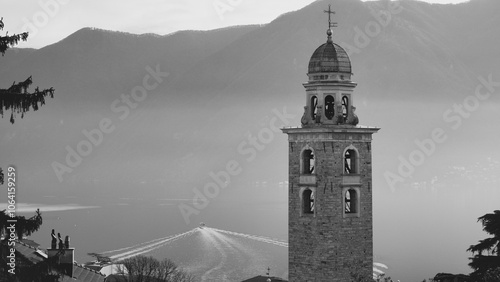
<point>119,223</point>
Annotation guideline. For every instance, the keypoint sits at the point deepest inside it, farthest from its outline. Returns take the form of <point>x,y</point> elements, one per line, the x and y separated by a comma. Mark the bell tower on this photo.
<point>330,176</point>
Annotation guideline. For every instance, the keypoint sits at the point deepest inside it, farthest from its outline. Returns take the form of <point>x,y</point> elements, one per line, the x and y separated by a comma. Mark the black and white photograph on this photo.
<point>250,141</point>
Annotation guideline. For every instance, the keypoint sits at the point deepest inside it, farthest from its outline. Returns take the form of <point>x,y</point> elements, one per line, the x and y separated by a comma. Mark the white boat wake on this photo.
<point>148,246</point>
<point>230,252</point>
<point>207,276</point>
<point>254,237</point>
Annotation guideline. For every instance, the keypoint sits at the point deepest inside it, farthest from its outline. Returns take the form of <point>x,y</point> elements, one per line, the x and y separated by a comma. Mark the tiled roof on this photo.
<point>30,243</point>
<point>80,273</point>
<point>32,254</point>
<point>330,57</point>
<point>83,274</point>
<point>261,278</point>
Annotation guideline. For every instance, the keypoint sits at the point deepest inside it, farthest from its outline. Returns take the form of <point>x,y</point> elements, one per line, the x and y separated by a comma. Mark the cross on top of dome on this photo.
<point>329,61</point>
<point>330,24</point>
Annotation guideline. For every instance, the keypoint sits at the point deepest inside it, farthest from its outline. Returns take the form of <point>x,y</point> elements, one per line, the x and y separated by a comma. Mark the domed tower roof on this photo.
<point>330,57</point>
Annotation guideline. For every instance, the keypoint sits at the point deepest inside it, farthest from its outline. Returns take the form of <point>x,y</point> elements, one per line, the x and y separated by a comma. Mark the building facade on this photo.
<point>330,177</point>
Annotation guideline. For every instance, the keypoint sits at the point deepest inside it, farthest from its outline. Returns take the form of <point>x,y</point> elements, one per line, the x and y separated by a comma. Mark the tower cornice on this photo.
<point>331,129</point>
<point>327,83</point>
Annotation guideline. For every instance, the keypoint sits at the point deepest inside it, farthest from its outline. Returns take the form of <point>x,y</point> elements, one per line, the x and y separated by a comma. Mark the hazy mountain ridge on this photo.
<point>444,44</point>
<point>94,61</point>
<point>224,83</point>
<point>419,52</point>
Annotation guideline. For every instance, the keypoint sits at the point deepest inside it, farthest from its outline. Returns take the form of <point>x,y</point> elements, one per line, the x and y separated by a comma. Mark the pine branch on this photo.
<point>491,223</point>
<point>7,41</point>
<point>487,244</point>
<point>16,97</point>
<point>24,226</point>
<point>19,101</point>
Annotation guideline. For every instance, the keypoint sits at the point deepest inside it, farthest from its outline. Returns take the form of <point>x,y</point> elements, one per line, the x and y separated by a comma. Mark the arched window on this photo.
<point>351,161</point>
<point>329,107</point>
<point>345,107</point>
<point>351,201</point>
<point>314,104</point>
<point>308,162</point>
<point>308,201</point>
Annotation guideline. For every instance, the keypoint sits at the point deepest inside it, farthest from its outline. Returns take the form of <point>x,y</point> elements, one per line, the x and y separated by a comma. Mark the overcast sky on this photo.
<point>49,21</point>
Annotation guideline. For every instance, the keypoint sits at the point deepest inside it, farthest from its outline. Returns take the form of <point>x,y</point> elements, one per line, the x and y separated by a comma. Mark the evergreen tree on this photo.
<point>483,264</point>
<point>19,100</point>
<point>23,227</point>
<point>16,97</point>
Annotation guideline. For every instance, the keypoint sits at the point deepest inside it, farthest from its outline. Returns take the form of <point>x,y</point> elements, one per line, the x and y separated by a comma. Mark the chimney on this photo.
<point>63,256</point>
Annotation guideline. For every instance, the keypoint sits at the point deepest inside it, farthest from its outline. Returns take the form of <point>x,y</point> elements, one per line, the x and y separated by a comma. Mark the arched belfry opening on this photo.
<point>308,201</point>
<point>351,201</point>
<point>308,162</point>
<point>329,107</point>
<point>351,161</point>
<point>345,108</point>
<point>314,107</point>
<point>330,171</point>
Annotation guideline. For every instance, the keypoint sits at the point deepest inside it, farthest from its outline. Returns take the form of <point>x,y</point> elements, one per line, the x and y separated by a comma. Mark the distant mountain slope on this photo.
<point>423,49</point>
<point>93,61</point>
<point>223,85</point>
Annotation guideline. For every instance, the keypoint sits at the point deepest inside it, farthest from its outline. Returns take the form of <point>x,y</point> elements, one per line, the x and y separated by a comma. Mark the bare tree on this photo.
<point>149,269</point>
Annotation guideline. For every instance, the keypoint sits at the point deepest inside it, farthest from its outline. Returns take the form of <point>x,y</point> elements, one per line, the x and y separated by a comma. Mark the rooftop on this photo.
<point>261,278</point>
<point>329,57</point>
<point>80,273</point>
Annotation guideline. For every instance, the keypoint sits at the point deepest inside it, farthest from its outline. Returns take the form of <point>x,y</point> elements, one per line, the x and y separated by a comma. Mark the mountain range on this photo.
<point>412,62</point>
<point>222,81</point>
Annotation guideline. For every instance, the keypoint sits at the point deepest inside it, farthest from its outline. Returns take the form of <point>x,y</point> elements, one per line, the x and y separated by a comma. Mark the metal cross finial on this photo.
<point>330,12</point>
